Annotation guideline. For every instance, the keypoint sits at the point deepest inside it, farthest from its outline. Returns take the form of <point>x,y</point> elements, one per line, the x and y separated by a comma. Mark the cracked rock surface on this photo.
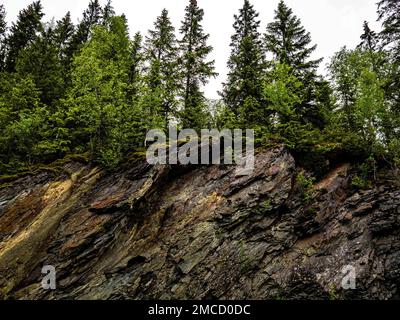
<point>159,232</point>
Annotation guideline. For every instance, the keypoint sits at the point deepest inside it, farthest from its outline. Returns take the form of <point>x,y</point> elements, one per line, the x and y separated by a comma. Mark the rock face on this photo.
<point>198,233</point>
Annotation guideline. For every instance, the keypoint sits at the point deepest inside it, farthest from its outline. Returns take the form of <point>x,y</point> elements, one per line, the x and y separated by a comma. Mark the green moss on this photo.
<point>306,185</point>
<point>245,264</point>
<point>360,183</point>
<point>333,295</point>
<point>56,168</point>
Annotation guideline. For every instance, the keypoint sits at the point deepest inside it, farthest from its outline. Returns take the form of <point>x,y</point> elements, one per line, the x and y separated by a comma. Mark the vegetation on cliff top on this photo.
<point>90,88</point>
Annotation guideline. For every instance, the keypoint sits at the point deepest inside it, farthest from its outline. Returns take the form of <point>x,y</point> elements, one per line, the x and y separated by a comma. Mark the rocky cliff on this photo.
<point>198,233</point>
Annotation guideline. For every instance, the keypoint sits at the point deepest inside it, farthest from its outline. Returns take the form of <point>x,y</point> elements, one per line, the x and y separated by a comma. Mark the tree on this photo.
<point>362,115</point>
<point>108,12</point>
<point>290,45</point>
<point>161,52</point>
<point>389,15</point>
<point>40,60</point>
<point>345,69</point>
<point>246,66</point>
<point>23,32</point>
<point>135,68</point>
<point>369,39</point>
<point>63,34</point>
<point>196,70</point>
<point>3,29</point>
<point>98,111</point>
<point>20,122</point>
<point>92,16</point>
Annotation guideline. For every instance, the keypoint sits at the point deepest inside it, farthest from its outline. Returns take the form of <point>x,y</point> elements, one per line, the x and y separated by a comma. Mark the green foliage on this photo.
<point>305,185</point>
<point>162,80</point>
<point>41,61</point>
<point>287,39</point>
<point>195,69</point>
<point>290,45</point>
<point>366,174</point>
<point>3,29</point>
<point>90,89</point>
<point>364,118</point>
<point>333,294</point>
<point>97,104</point>
<point>243,90</point>
<point>23,32</point>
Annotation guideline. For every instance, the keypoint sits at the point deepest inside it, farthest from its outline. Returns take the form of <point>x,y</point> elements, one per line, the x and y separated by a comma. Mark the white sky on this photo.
<point>332,23</point>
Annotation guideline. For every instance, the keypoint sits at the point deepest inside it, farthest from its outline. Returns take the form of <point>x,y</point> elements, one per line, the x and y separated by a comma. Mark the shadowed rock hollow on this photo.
<point>198,233</point>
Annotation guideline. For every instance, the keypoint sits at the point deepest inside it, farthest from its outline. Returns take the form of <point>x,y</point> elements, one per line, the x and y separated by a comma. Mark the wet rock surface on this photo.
<point>198,233</point>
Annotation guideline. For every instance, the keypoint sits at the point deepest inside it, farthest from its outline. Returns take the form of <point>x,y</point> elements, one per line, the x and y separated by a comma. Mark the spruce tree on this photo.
<point>162,53</point>
<point>63,34</point>
<point>246,65</point>
<point>40,60</point>
<point>369,38</point>
<point>108,12</point>
<point>23,32</point>
<point>196,69</point>
<point>389,15</point>
<point>290,45</point>
<point>92,16</point>
<point>98,110</point>
<point>3,29</point>
<point>135,68</point>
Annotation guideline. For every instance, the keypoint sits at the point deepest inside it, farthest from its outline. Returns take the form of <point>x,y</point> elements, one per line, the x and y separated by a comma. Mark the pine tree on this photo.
<point>290,45</point>
<point>40,60</point>
<point>98,110</point>
<point>162,53</point>
<point>92,16</point>
<point>23,32</point>
<point>196,70</point>
<point>3,29</point>
<point>20,122</point>
<point>246,65</point>
<point>108,12</point>
<point>135,68</point>
<point>369,39</point>
<point>63,34</point>
<point>389,15</point>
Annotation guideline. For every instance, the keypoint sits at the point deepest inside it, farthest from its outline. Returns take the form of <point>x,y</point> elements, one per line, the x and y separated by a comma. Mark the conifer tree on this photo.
<point>162,53</point>
<point>290,45</point>
<point>63,33</point>
<point>3,29</point>
<point>40,60</point>
<point>98,109</point>
<point>108,12</point>
<point>196,69</point>
<point>23,32</point>
<point>369,39</point>
<point>246,64</point>
<point>92,16</point>
<point>389,15</point>
<point>135,68</point>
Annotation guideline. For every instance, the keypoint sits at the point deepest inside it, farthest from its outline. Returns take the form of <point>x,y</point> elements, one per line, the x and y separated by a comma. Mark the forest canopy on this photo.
<point>90,88</point>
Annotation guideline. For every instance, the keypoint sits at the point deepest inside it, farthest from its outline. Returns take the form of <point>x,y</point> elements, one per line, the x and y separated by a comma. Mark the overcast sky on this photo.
<point>332,23</point>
